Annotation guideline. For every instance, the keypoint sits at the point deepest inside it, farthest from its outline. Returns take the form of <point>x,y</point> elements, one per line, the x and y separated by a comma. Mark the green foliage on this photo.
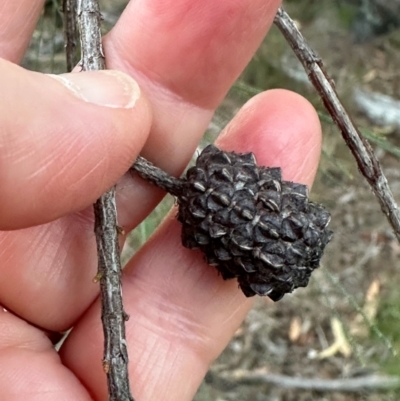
<point>53,10</point>
<point>388,322</point>
<point>306,9</point>
<point>46,50</point>
<point>347,12</point>
<point>145,229</point>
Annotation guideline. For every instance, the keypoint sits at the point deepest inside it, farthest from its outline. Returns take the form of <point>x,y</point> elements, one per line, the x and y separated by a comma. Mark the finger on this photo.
<point>47,271</point>
<point>64,140</point>
<point>203,45</point>
<point>273,127</point>
<point>185,55</point>
<point>31,369</point>
<point>18,20</point>
<point>182,312</point>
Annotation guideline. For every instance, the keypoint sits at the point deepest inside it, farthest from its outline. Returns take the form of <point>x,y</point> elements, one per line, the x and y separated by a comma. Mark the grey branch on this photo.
<point>70,32</point>
<point>157,176</point>
<point>115,362</point>
<point>362,384</point>
<point>88,17</point>
<point>366,160</point>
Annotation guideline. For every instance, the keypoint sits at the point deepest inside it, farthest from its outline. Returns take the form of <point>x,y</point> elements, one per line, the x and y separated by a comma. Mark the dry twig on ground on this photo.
<point>362,384</point>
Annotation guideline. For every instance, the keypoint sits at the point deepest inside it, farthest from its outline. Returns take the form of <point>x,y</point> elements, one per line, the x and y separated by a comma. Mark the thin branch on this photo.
<point>367,162</point>
<point>157,176</point>
<point>89,19</point>
<point>370,383</point>
<point>70,32</point>
<point>113,316</point>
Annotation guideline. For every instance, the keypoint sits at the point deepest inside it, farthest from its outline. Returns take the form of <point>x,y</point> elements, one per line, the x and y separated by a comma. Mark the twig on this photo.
<point>157,176</point>
<point>345,385</point>
<point>70,32</point>
<point>366,160</point>
<point>115,362</point>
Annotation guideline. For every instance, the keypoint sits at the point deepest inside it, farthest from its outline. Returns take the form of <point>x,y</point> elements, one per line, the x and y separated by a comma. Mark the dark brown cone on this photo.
<point>250,224</point>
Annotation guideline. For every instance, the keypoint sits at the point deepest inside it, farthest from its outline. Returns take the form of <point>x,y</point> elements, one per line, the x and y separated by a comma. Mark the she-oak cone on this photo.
<point>250,224</point>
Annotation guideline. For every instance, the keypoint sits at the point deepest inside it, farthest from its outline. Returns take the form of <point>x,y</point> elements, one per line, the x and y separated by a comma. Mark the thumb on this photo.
<point>64,140</point>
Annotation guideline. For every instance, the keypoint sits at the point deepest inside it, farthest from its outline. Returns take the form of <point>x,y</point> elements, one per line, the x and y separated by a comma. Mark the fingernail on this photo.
<point>106,88</point>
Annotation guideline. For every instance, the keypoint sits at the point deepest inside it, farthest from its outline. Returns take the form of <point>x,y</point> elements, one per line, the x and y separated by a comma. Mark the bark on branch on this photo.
<point>70,32</point>
<point>367,162</point>
<point>115,362</point>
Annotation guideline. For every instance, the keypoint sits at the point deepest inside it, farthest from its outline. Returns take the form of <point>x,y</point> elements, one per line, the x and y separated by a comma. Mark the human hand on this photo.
<point>59,153</point>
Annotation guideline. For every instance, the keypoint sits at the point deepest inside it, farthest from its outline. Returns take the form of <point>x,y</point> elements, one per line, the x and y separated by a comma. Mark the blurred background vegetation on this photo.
<point>346,324</point>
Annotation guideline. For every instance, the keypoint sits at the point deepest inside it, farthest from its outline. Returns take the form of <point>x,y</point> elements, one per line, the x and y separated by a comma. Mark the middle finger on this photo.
<point>18,20</point>
<point>185,55</point>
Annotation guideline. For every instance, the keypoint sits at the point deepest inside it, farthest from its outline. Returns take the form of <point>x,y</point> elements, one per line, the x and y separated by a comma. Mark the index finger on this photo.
<point>185,55</point>
<point>18,19</point>
<point>203,45</point>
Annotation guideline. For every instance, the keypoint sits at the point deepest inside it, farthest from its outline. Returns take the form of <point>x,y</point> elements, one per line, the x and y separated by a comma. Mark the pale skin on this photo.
<point>58,153</point>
